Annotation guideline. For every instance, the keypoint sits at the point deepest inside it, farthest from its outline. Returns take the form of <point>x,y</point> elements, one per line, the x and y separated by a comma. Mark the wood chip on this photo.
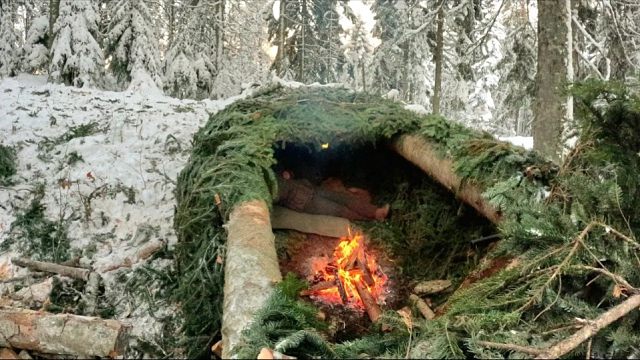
<point>431,287</point>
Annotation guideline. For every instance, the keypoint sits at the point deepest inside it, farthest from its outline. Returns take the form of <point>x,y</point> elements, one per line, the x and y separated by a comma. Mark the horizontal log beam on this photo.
<point>421,153</point>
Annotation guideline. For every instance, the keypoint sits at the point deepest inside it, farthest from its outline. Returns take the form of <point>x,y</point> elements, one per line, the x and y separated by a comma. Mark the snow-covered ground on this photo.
<point>114,187</point>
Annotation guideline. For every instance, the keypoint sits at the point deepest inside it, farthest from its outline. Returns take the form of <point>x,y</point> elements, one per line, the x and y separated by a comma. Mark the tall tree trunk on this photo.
<point>281,40</point>
<point>303,39</point>
<point>364,79</point>
<point>553,110</point>
<point>439,59</point>
<point>54,9</point>
<point>219,33</point>
<point>172,22</point>
<point>404,86</point>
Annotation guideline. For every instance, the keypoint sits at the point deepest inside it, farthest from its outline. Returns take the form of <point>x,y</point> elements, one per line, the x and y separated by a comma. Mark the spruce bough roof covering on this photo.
<point>232,158</point>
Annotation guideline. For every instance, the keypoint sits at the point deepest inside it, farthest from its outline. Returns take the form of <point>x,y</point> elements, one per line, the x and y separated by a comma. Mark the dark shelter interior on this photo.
<point>428,234</point>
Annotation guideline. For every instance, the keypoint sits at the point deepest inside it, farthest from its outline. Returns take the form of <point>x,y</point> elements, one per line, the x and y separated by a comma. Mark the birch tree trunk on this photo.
<point>553,110</point>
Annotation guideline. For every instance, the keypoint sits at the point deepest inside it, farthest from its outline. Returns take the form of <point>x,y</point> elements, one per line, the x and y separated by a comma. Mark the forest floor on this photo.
<point>106,165</point>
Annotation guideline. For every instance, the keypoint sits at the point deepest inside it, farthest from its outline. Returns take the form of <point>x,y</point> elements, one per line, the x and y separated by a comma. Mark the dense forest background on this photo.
<point>474,61</point>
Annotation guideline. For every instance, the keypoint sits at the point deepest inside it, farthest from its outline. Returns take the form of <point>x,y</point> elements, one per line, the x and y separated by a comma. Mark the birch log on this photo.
<point>251,269</point>
<point>421,153</point>
<point>63,334</point>
<point>325,225</point>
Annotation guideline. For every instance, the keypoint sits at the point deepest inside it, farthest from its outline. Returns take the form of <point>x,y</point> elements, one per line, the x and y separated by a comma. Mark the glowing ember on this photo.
<point>337,281</point>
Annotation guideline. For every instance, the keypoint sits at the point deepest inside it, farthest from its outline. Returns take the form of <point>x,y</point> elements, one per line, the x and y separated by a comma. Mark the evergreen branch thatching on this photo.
<point>532,303</point>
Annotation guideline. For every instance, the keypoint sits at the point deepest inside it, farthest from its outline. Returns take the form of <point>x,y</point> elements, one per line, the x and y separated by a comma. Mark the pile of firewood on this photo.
<point>27,333</point>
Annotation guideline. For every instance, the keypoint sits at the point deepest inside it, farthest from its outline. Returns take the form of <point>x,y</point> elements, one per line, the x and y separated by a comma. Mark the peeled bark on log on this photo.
<point>325,225</point>
<point>72,272</point>
<point>251,269</point>
<point>421,153</point>
<point>61,333</point>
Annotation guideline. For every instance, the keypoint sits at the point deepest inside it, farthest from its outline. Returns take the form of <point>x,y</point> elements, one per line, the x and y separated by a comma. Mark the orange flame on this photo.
<point>351,263</point>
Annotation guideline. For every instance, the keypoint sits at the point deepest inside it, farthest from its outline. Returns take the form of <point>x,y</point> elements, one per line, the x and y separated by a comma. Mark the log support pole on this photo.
<point>421,153</point>
<point>251,269</point>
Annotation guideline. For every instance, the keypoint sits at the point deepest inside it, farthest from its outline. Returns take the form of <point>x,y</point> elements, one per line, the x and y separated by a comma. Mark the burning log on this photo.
<point>63,334</point>
<point>370,305</point>
<point>362,264</point>
<point>341,290</point>
<point>323,285</point>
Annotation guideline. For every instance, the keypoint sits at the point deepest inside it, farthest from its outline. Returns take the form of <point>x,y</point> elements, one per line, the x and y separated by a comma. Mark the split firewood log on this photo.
<point>422,306</point>
<point>64,334</point>
<point>431,287</point>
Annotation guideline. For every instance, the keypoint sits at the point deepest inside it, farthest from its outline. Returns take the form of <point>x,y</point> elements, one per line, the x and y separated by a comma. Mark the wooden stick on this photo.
<point>362,264</point>
<point>512,347</point>
<point>72,272</point>
<point>422,306</point>
<point>370,305</point>
<point>323,285</point>
<point>217,349</point>
<point>341,290</point>
<point>591,328</point>
<point>64,334</point>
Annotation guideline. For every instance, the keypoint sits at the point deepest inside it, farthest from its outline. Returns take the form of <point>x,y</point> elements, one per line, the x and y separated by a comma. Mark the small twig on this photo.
<point>518,348</point>
<point>616,278</point>
<point>589,349</point>
<point>620,235</point>
<point>486,239</point>
<point>576,244</point>
<point>591,328</point>
<point>72,272</point>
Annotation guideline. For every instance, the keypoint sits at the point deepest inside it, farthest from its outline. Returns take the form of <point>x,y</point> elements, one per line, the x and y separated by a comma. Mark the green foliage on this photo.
<point>545,210</point>
<point>8,163</point>
<point>73,132</point>
<point>37,236</point>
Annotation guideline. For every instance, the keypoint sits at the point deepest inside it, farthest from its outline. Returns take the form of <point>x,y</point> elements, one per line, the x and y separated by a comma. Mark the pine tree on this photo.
<point>76,56</point>
<point>403,60</point>
<point>132,44</point>
<point>357,56</point>
<point>180,75</point>
<point>240,64</point>
<point>190,68</point>
<point>35,54</point>
<point>307,34</point>
<point>8,41</point>
<point>516,70</point>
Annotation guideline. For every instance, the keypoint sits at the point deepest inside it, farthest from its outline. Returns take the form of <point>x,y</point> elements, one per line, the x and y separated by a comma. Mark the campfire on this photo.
<point>352,277</point>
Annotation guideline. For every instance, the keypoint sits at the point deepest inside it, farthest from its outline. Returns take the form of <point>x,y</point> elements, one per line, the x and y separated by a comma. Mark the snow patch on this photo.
<point>524,141</point>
